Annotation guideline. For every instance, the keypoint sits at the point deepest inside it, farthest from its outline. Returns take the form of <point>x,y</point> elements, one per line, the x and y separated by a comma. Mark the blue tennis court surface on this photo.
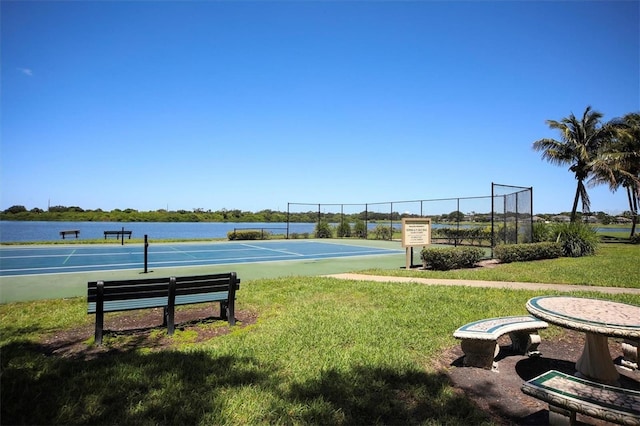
<point>68,259</point>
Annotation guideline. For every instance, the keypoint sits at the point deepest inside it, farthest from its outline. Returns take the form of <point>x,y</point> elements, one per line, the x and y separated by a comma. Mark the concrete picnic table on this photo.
<point>598,319</point>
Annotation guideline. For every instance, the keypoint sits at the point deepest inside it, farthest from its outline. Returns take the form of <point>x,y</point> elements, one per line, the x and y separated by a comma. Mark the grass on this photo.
<point>324,351</point>
<point>614,265</point>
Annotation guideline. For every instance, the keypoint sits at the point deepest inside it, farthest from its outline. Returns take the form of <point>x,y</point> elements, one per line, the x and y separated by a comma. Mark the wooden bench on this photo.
<point>75,232</point>
<point>118,234</point>
<point>167,293</point>
<point>480,338</point>
<point>568,395</point>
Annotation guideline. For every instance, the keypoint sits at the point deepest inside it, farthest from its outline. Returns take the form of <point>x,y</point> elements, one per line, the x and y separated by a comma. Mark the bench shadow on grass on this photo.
<point>177,387</point>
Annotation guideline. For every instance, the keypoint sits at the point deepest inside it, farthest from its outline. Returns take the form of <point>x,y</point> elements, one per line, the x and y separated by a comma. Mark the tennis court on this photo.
<point>21,261</point>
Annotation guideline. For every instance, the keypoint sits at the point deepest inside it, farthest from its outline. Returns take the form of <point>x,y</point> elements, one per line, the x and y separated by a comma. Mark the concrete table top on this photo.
<point>599,319</point>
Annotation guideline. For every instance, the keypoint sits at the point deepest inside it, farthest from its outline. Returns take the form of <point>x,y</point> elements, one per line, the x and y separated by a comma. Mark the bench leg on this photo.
<point>480,353</point>
<point>99,327</point>
<point>525,342</point>
<point>223,310</point>
<point>561,416</point>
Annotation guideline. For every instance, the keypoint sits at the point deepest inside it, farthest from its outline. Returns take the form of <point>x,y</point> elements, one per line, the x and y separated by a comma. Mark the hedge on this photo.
<point>247,235</point>
<point>508,253</point>
<point>443,259</point>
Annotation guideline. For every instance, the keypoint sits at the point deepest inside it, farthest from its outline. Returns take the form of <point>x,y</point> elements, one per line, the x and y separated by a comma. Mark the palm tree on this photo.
<point>618,163</point>
<point>578,146</point>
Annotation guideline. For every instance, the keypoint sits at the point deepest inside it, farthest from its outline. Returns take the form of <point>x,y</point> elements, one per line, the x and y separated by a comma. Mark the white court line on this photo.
<point>69,267</point>
<point>68,257</point>
<point>356,245</point>
<point>175,250</point>
<point>274,250</point>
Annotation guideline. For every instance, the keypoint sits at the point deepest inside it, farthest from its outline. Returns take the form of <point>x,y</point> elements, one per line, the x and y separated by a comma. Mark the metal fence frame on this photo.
<point>501,215</point>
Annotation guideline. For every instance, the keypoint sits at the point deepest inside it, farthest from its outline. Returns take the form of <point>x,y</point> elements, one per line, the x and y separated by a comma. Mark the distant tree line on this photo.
<point>78,214</point>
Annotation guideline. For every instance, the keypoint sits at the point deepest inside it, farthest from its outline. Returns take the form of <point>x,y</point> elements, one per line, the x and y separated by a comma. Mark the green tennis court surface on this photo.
<point>47,272</point>
<point>51,260</point>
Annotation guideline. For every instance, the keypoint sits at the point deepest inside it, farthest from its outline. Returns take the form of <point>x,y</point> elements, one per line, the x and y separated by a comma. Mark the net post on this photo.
<point>146,248</point>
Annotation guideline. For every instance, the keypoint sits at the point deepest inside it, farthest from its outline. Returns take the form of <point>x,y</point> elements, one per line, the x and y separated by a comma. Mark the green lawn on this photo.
<point>323,351</point>
<point>614,265</point>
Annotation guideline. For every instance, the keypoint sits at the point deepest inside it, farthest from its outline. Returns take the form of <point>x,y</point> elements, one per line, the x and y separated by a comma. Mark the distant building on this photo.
<point>622,219</point>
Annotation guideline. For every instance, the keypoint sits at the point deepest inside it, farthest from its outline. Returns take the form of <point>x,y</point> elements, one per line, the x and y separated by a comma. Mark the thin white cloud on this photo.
<point>26,71</point>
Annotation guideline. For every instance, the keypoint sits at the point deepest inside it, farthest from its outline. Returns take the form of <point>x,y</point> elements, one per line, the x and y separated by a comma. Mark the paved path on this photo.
<point>494,284</point>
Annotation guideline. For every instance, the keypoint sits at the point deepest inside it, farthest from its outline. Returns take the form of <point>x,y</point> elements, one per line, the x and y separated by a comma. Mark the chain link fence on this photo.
<point>504,217</point>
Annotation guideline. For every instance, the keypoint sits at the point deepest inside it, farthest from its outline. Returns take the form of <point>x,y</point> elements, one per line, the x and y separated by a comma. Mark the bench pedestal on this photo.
<point>480,353</point>
<point>526,343</point>
<point>630,354</point>
<point>561,416</point>
<point>480,339</point>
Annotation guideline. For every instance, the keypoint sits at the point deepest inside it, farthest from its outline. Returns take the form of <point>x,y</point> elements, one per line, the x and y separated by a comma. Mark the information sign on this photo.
<point>416,232</point>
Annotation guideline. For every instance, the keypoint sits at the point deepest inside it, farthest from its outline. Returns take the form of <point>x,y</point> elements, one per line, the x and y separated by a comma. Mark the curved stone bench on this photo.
<point>568,395</point>
<point>480,338</point>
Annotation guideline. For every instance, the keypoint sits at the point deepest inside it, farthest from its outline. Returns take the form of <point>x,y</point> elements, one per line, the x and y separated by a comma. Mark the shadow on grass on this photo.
<point>166,387</point>
<point>367,395</point>
<point>198,387</point>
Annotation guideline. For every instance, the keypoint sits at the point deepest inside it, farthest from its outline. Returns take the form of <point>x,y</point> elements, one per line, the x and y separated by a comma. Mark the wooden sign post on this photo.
<point>416,232</point>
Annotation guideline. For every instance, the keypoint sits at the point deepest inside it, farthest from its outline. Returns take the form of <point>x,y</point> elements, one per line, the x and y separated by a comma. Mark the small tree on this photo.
<point>359,229</point>
<point>382,232</point>
<point>323,230</point>
<point>344,229</point>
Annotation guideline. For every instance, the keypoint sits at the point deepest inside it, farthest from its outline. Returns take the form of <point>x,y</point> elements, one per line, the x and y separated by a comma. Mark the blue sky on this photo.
<point>251,105</point>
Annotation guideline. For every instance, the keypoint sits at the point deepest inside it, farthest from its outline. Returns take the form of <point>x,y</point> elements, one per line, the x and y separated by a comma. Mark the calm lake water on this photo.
<point>11,231</point>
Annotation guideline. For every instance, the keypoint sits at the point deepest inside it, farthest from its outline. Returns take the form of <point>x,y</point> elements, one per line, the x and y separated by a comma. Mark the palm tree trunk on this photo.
<point>633,206</point>
<point>575,203</point>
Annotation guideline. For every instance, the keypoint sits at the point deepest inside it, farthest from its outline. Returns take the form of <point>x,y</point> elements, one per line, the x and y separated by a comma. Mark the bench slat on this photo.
<point>209,277</point>
<point>203,289</point>
<point>201,298</point>
<point>130,304</point>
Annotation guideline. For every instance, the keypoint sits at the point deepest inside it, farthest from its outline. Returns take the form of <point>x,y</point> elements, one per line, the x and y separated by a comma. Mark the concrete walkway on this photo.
<point>493,284</point>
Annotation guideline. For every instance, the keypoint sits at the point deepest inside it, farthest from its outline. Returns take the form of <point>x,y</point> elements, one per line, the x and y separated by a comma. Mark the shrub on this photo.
<point>359,229</point>
<point>382,232</point>
<point>443,259</point>
<point>577,238</point>
<point>542,232</point>
<point>507,253</point>
<point>344,229</point>
<point>323,230</point>
<point>247,235</point>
